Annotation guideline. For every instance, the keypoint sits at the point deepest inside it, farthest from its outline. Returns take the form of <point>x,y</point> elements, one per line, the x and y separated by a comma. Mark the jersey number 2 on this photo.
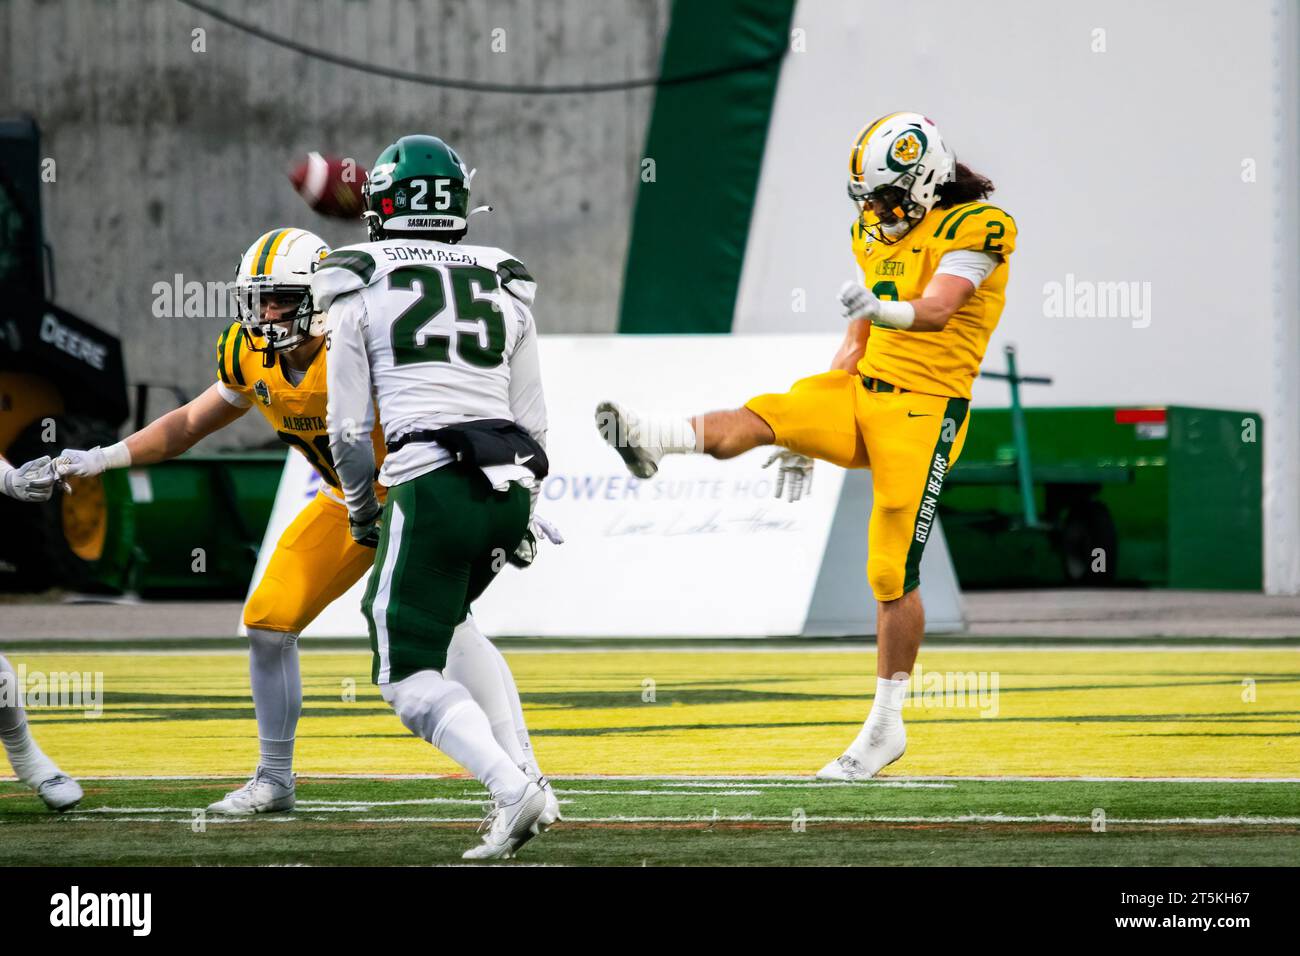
<point>468,307</point>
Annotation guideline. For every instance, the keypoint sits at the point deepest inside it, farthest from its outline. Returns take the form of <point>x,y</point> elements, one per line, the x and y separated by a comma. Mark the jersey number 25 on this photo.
<point>467,306</point>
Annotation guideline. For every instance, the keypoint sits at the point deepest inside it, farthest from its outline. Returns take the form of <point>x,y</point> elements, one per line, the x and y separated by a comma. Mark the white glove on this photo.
<point>73,463</point>
<point>541,528</point>
<point>859,302</point>
<point>794,474</point>
<point>33,481</point>
<point>538,529</point>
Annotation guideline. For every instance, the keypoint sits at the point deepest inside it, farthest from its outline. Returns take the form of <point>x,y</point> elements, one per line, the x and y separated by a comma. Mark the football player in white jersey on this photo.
<point>273,360</point>
<point>442,335</point>
<point>33,482</point>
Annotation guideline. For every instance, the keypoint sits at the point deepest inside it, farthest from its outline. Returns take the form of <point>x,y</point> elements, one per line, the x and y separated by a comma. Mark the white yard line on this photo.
<point>798,783</point>
<point>362,804</point>
<point>745,818</point>
<point>312,806</point>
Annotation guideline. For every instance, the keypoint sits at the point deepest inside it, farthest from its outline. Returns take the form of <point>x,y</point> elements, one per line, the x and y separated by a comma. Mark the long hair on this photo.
<point>966,186</point>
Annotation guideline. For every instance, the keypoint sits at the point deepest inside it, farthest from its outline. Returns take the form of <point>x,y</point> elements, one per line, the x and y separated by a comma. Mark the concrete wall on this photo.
<point>172,161</point>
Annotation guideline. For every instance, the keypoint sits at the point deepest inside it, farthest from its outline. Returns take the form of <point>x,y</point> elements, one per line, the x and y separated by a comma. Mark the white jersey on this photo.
<point>439,334</point>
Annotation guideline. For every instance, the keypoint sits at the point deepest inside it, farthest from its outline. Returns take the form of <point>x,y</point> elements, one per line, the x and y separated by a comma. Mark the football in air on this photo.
<point>330,185</point>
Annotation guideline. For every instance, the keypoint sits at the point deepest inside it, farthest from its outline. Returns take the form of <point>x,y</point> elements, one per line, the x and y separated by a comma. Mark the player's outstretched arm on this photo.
<point>165,437</point>
<point>31,481</point>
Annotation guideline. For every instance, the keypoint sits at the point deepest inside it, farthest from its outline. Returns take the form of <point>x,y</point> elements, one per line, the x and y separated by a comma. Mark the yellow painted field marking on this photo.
<point>1110,713</point>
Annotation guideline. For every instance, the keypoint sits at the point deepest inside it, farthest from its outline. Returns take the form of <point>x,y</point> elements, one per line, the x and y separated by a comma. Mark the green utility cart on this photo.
<point>199,522</point>
<point>1167,496</point>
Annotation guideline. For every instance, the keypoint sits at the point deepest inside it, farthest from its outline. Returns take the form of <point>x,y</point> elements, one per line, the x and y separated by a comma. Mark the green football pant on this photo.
<point>445,536</point>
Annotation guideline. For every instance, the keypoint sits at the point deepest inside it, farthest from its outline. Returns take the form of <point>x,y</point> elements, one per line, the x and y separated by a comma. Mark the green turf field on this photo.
<point>697,821</point>
<point>1095,756</point>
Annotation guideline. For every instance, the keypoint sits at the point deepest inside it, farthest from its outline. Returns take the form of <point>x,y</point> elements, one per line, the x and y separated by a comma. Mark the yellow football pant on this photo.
<point>907,439</point>
<point>315,561</point>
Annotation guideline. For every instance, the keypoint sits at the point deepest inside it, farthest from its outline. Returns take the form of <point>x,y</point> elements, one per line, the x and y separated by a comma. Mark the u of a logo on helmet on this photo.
<point>907,148</point>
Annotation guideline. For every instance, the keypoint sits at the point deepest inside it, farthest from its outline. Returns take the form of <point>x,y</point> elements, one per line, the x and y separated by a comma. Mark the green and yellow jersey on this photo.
<point>295,412</point>
<point>945,362</point>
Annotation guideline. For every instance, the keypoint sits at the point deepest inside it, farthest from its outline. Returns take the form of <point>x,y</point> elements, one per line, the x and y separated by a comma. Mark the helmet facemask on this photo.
<point>272,291</point>
<point>296,320</point>
<point>889,211</point>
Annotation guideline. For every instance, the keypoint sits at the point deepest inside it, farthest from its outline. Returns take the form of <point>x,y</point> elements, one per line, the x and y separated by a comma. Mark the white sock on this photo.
<point>30,763</point>
<point>277,698</point>
<point>886,709</point>
<point>472,661</point>
<point>676,436</point>
<point>517,713</point>
<point>28,760</point>
<point>11,705</point>
<point>442,712</point>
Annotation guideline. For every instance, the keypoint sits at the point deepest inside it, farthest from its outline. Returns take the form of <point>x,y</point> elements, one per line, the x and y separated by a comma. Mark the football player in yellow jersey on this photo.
<point>933,256</point>
<point>273,359</point>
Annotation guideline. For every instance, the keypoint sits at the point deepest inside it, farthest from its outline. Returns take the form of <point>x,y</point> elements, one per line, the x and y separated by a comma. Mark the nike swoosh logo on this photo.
<point>523,461</point>
<point>920,415</point>
<point>916,250</point>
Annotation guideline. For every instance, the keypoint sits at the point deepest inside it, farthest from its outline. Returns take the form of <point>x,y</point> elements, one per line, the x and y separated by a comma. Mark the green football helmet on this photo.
<point>417,185</point>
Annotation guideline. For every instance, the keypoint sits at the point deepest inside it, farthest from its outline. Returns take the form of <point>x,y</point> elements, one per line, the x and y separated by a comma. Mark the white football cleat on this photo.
<point>551,812</point>
<point>625,432</point>
<point>60,792</point>
<point>509,826</point>
<point>884,746</point>
<point>262,794</point>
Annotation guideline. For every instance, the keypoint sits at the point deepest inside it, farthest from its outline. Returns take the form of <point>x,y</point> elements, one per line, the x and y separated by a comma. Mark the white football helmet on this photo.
<point>897,165</point>
<point>276,270</point>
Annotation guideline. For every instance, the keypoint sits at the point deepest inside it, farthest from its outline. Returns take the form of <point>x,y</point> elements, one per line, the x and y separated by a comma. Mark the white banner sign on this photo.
<point>701,550</point>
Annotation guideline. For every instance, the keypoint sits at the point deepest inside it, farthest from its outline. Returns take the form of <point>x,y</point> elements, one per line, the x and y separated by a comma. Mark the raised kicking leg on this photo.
<point>814,419</point>
<point>642,441</point>
<point>32,766</point>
